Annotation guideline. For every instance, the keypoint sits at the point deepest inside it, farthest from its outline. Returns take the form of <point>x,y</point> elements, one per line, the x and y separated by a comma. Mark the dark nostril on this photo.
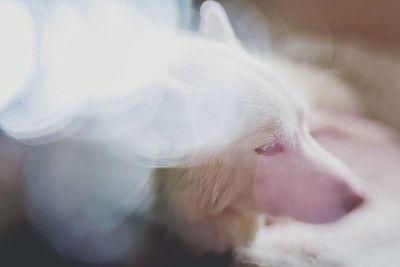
<point>353,202</point>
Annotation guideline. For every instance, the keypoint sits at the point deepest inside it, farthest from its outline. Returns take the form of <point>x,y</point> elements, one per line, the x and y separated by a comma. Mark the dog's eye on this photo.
<point>270,149</point>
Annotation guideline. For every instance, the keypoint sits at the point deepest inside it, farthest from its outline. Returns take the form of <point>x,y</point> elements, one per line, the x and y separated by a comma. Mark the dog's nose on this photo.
<point>353,201</point>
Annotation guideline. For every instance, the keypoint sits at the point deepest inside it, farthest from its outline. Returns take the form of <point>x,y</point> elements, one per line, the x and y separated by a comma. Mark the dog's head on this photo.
<point>271,155</point>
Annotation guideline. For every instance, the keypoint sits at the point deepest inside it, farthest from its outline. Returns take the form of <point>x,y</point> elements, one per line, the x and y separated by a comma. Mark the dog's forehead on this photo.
<point>227,69</point>
<point>234,79</point>
<point>212,62</point>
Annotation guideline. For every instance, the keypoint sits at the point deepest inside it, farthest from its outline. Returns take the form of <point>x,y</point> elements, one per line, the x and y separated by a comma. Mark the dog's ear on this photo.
<point>214,23</point>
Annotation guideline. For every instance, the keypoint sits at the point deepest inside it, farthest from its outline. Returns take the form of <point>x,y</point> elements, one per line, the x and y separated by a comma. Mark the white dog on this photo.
<point>187,132</point>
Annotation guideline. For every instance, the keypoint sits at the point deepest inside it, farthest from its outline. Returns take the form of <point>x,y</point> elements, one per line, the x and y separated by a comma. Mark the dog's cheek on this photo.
<point>196,192</point>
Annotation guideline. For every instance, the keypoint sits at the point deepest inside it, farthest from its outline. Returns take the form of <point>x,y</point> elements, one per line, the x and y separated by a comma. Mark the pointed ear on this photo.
<point>214,23</point>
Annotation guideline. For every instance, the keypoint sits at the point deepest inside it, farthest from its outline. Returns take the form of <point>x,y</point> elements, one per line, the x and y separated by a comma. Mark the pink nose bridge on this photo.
<point>327,163</point>
<point>307,183</point>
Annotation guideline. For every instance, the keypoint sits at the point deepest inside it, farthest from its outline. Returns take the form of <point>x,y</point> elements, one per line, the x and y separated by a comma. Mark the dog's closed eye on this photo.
<point>270,149</point>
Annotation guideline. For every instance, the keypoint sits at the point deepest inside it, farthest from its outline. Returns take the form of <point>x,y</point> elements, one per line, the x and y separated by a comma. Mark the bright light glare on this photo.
<point>16,48</point>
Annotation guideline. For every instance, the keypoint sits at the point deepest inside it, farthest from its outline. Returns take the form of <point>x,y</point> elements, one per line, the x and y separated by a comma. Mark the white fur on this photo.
<point>170,136</point>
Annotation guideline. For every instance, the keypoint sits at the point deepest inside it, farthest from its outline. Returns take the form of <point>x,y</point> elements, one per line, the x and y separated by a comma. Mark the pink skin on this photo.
<point>303,181</point>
